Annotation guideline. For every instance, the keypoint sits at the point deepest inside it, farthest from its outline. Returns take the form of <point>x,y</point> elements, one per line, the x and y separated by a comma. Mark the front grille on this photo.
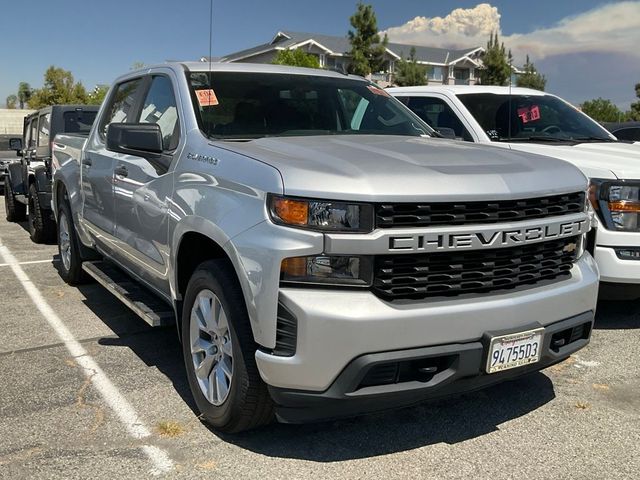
<point>479,271</point>
<point>393,215</point>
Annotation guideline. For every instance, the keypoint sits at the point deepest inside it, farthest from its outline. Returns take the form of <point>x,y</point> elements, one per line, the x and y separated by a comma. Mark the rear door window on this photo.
<point>78,121</point>
<point>44,128</point>
<point>33,133</point>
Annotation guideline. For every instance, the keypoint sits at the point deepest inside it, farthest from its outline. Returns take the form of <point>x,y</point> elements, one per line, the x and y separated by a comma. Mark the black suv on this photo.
<point>28,182</point>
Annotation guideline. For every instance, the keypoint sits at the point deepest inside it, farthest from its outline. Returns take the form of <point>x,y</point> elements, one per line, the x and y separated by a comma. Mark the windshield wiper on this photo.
<point>538,138</point>
<point>594,139</point>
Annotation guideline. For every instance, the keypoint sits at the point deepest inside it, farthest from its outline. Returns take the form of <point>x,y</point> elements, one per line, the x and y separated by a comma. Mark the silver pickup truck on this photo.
<point>322,254</point>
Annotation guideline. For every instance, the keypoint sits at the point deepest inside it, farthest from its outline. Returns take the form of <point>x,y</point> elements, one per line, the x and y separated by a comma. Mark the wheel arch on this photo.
<point>194,242</point>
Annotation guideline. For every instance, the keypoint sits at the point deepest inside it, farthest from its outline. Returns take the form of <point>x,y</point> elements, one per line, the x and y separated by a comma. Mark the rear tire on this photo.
<point>70,265</point>
<point>217,341</point>
<point>16,211</point>
<point>41,227</point>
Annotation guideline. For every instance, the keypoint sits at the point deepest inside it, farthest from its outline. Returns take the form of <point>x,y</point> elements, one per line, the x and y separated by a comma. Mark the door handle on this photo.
<point>87,162</point>
<point>121,170</point>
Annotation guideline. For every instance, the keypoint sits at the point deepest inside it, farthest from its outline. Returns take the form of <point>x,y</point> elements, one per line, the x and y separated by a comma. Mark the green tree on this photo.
<point>496,67</point>
<point>296,58</point>
<point>531,78</point>
<point>59,88</point>
<point>137,65</point>
<point>409,72</point>
<point>11,101</point>
<point>367,50</point>
<point>24,94</point>
<point>97,96</point>
<point>602,110</point>
<point>634,113</point>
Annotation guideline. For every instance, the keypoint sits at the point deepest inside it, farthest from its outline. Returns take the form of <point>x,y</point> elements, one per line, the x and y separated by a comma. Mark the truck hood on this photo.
<point>400,168</point>
<point>596,160</point>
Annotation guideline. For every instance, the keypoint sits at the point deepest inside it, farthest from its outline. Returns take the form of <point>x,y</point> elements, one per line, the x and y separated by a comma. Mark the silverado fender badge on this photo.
<point>202,158</point>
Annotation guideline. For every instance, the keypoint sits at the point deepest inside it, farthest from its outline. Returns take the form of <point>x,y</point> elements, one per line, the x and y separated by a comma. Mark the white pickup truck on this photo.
<point>537,122</point>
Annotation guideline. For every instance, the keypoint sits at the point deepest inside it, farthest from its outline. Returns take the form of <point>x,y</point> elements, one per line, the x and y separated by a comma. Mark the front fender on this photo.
<point>42,179</point>
<point>14,172</point>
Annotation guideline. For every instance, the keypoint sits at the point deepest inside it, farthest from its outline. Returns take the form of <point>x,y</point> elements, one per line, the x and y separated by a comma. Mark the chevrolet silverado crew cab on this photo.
<point>537,122</point>
<point>28,181</point>
<point>322,254</point>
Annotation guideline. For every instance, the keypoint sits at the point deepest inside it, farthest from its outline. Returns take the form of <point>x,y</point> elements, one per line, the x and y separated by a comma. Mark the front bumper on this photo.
<point>462,370</point>
<point>613,269</point>
<point>336,326</point>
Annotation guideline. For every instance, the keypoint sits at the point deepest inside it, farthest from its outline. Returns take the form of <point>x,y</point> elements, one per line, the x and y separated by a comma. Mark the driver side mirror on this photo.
<point>447,132</point>
<point>15,144</point>
<point>139,139</point>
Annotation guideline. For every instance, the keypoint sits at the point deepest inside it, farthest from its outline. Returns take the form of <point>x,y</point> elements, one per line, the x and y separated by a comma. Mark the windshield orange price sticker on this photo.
<point>529,114</point>
<point>207,98</point>
<point>377,91</point>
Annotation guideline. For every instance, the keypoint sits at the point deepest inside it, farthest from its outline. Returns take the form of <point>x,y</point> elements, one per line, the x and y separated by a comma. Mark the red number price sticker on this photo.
<point>529,114</point>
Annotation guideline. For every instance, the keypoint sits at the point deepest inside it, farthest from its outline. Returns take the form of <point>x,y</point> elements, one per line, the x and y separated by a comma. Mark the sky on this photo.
<point>586,48</point>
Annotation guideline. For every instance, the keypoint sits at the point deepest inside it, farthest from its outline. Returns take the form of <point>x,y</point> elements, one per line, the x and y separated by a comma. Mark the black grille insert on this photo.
<point>478,271</point>
<point>286,332</point>
<point>570,335</point>
<point>390,215</point>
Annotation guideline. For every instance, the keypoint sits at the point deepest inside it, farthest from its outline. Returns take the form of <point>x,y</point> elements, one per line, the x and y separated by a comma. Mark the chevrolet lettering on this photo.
<point>342,260</point>
<point>433,242</point>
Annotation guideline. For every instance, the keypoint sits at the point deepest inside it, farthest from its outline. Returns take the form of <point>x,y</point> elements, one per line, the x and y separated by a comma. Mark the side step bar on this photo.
<point>144,303</point>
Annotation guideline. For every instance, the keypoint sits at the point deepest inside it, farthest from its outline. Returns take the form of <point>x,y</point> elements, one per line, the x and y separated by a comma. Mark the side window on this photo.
<point>160,108</point>
<point>438,114</point>
<point>43,129</point>
<point>121,104</point>
<point>33,133</point>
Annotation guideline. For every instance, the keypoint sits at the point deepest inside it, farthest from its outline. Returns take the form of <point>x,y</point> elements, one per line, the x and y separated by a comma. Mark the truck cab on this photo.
<point>28,181</point>
<point>526,120</point>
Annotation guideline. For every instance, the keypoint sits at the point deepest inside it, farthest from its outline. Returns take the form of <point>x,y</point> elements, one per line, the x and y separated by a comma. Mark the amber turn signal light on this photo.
<point>292,212</point>
<point>624,206</point>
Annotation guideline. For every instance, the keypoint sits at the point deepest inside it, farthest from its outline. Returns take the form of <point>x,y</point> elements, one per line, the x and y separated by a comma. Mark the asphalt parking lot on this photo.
<point>578,419</point>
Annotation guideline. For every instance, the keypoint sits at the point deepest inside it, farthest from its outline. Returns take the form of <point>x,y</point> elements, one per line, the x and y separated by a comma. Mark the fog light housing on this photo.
<point>341,270</point>
<point>628,253</point>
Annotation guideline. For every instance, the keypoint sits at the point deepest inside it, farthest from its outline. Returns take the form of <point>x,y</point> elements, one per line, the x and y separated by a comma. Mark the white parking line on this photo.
<point>110,394</point>
<point>30,262</point>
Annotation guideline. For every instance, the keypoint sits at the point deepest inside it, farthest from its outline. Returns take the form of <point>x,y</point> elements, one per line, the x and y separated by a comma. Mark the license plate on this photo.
<point>514,350</point>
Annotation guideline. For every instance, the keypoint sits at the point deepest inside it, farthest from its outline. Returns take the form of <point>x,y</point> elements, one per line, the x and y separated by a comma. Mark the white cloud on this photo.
<point>610,28</point>
<point>461,28</point>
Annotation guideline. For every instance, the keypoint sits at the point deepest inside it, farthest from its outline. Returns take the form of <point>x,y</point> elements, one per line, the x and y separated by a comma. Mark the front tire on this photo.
<point>42,228</point>
<point>70,265</point>
<point>16,211</point>
<point>219,351</point>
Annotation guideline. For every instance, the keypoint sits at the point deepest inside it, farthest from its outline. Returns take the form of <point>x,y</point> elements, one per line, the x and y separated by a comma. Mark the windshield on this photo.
<point>239,105</point>
<point>532,117</point>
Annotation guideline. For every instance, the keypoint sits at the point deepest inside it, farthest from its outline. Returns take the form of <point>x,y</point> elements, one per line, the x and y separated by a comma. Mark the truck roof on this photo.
<point>63,107</point>
<point>247,68</point>
<point>462,89</point>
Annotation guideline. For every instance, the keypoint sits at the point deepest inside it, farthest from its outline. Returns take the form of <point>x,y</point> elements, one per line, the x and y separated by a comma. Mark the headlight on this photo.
<point>328,270</point>
<point>324,215</point>
<point>617,204</point>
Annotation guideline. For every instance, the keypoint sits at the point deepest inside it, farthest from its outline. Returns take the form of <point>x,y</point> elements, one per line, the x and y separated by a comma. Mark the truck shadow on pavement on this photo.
<point>616,315</point>
<point>444,421</point>
<point>156,347</point>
